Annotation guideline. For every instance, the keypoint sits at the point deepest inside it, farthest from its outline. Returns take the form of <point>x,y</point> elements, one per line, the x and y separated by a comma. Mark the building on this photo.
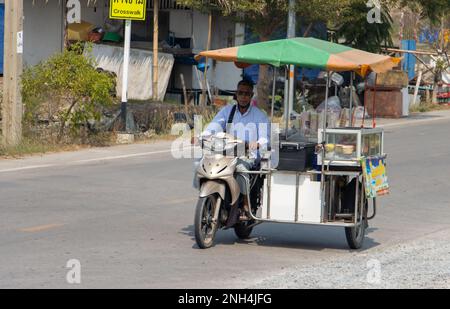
<point>183,32</point>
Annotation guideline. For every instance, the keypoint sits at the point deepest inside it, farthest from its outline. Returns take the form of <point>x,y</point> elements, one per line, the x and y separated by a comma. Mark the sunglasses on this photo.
<point>244,93</point>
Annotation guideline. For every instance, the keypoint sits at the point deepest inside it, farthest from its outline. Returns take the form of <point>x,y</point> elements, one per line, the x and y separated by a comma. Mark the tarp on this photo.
<point>409,60</point>
<point>305,52</point>
<point>140,87</point>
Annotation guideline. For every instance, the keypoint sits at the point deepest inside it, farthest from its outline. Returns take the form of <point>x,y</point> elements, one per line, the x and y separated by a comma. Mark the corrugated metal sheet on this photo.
<point>110,58</point>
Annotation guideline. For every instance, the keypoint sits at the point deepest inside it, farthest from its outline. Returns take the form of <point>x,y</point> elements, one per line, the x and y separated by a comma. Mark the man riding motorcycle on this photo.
<point>250,125</point>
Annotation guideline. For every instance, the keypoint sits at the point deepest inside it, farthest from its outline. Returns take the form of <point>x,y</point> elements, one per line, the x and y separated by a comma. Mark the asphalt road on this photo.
<point>126,214</point>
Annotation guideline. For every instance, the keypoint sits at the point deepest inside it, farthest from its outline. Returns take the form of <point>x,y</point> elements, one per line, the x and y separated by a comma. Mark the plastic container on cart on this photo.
<point>296,156</point>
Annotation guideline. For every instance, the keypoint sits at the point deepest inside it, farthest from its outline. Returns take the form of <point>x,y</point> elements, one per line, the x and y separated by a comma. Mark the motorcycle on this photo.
<point>220,199</point>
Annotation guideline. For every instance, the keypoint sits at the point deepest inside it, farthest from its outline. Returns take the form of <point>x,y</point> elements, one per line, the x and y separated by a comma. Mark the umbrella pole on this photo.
<point>365,101</point>
<point>273,93</point>
<point>286,103</point>
<point>374,124</point>
<point>324,122</point>
<point>351,98</point>
<point>324,135</point>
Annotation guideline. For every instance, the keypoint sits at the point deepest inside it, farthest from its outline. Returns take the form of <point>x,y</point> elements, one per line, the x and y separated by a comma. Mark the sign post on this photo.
<point>126,64</point>
<point>127,10</point>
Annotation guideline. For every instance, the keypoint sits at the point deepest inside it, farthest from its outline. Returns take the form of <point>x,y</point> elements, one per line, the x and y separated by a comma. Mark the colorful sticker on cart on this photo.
<point>376,181</point>
<point>128,9</point>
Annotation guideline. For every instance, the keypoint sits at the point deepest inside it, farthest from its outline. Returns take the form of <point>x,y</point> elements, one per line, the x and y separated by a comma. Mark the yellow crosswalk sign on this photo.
<point>128,9</point>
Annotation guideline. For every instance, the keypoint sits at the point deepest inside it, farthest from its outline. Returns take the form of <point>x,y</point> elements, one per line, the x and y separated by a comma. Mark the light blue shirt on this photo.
<point>253,126</point>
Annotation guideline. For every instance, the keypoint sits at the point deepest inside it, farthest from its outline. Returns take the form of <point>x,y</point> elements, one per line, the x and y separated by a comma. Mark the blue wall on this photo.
<point>2,22</point>
<point>409,61</point>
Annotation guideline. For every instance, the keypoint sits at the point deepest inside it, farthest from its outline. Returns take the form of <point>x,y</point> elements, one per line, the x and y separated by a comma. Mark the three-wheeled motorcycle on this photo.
<point>316,182</point>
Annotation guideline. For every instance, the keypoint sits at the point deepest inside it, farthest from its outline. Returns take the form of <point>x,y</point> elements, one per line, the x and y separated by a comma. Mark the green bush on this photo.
<point>66,90</point>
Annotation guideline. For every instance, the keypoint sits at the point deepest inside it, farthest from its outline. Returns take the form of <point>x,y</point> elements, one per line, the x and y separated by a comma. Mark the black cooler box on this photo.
<point>296,156</point>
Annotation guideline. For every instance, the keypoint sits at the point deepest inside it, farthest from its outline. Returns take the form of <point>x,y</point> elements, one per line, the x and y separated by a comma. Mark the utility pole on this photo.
<point>291,34</point>
<point>289,87</point>
<point>12,109</point>
<point>155,49</point>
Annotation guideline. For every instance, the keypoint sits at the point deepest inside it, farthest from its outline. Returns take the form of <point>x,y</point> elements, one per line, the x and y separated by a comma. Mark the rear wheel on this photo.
<point>205,228</point>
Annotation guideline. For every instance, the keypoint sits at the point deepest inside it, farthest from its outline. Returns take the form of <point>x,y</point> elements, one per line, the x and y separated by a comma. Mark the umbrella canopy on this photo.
<point>305,52</point>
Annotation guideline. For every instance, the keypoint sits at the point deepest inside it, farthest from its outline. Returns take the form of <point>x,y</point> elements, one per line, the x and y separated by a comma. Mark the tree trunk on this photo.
<point>204,97</point>
<point>435,92</point>
<point>437,79</point>
<point>263,84</point>
<point>263,87</point>
<point>64,120</point>
<point>308,30</point>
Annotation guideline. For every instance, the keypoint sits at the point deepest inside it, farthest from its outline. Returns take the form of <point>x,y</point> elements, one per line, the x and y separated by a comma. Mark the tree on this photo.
<point>264,17</point>
<point>435,12</point>
<point>355,29</point>
<point>66,89</point>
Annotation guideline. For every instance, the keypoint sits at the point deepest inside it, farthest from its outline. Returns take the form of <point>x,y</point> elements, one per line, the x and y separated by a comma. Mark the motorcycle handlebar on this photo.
<point>236,144</point>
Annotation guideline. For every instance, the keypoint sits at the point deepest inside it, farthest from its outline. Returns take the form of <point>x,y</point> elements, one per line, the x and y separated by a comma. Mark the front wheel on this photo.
<point>242,230</point>
<point>204,225</point>
<point>356,235</point>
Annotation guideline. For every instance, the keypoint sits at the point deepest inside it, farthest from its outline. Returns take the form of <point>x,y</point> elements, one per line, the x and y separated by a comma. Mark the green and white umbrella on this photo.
<point>307,53</point>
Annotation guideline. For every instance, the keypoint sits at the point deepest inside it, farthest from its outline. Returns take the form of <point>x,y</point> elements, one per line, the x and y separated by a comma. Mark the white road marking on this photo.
<point>178,201</point>
<point>81,162</point>
<point>142,154</point>
<point>413,122</point>
<point>41,228</point>
<point>31,167</point>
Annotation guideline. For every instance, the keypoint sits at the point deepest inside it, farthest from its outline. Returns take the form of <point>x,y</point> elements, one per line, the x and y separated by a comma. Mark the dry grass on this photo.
<point>157,118</point>
<point>32,146</point>
<point>428,107</point>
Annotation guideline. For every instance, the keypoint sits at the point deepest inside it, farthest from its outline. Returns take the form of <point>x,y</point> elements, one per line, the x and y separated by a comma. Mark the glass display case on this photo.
<point>346,146</point>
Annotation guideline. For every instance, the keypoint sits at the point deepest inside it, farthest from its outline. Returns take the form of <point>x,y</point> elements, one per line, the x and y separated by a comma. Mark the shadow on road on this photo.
<point>290,236</point>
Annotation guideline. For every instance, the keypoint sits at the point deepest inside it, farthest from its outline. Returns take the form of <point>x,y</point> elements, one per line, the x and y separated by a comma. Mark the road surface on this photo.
<point>126,214</point>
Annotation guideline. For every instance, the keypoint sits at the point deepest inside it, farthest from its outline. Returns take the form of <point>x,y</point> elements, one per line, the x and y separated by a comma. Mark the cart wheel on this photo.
<point>356,235</point>
<point>242,230</point>
<point>205,230</point>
